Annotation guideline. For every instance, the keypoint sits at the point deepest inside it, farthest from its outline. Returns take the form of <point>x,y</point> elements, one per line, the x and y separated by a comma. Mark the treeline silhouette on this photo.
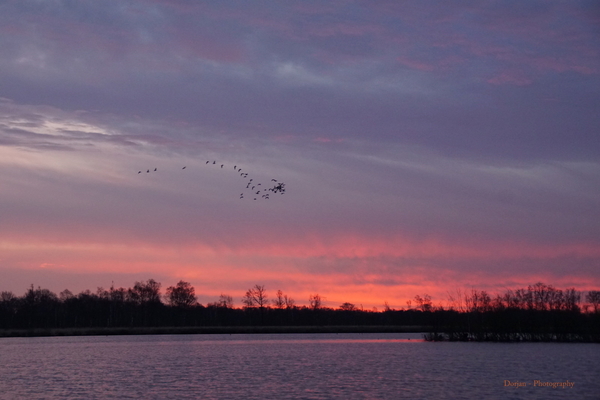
<point>538,312</point>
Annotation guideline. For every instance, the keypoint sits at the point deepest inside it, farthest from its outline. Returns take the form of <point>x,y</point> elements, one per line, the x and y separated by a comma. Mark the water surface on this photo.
<point>291,366</point>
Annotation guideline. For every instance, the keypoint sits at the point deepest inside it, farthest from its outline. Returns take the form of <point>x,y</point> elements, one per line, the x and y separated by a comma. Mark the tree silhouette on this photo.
<point>537,312</point>
<point>65,295</point>
<point>315,301</point>
<point>289,302</point>
<point>593,297</point>
<point>225,301</point>
<point>255,297</point>
<point>182,295</point>
<point>283,301</point>
<point>145,292</point>
<point>278,301</point>
<point>7,296</point>
<point>423,303</point>
<point>572,299</point>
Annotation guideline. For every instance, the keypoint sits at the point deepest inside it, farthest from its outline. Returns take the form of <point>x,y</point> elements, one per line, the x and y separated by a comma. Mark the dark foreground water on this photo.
<point>293,366</point>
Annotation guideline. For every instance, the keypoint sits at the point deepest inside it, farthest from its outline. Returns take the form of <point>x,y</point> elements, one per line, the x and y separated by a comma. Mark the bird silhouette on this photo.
<point>252,184</point>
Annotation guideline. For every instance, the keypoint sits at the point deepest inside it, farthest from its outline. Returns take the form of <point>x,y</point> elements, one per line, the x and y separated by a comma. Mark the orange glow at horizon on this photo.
<point>297,269</point>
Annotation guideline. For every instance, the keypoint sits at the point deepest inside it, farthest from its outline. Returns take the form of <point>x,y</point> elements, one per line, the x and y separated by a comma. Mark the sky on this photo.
<point>425,147</point>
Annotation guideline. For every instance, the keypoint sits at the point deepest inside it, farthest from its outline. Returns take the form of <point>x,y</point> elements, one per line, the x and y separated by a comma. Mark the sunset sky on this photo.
<point>425,146</point>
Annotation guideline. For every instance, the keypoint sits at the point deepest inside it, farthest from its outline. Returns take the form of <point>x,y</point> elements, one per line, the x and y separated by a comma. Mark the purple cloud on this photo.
<point>453,127</point>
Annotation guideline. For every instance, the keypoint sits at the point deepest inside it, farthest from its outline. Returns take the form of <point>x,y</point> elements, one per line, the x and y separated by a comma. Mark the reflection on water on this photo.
<point>291,366</point>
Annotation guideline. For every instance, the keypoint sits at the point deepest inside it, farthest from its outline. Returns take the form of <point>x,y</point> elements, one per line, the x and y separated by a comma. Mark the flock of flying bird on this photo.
<point>254,189</point>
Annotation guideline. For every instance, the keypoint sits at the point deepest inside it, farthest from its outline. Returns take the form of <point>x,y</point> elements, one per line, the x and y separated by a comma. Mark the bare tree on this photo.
<point>282,300</point>
<point>181,295</point>
<point>593,297</point>
<point>498,303</point>
<point>255,297</point>
<point>289,302</point>
<point>455,300</point>
<point>278,301</point>
<point>478,301</point>
<point>315,301</point>
<point>225,301</point>
<point>424,303</point>
<point>539,294</point>
<point>572,299</point>
<point>248,300</point>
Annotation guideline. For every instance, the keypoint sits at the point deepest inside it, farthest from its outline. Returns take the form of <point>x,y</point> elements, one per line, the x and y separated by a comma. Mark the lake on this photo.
<point>293,366</point>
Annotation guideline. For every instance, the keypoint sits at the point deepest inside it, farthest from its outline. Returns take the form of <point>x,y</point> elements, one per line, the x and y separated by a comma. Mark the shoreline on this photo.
<point>206,330</point>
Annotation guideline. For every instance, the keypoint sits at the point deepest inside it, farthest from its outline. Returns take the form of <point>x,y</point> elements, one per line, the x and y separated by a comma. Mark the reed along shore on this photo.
<point>207,330</point>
